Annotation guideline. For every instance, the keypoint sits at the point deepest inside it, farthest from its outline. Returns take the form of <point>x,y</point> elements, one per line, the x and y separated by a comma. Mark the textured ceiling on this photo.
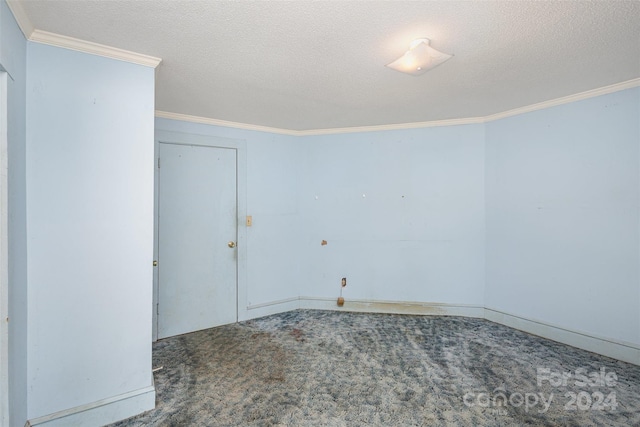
<point>304,65</point>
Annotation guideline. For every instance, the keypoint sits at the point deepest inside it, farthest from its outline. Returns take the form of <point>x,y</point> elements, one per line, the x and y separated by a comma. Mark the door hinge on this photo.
<point>158,162</point>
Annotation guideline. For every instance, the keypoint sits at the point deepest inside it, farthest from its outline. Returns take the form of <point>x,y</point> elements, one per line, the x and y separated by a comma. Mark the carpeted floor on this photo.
<point>324,368</point>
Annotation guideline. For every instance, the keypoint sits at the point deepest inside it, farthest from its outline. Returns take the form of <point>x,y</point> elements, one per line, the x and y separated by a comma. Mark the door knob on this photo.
<point>232,244</point>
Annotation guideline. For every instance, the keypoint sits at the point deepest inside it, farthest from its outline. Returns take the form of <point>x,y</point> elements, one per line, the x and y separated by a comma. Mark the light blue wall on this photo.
<point>562,197</point>
<point>274,259</point>
<point>402,212</point>
<point>13,60</point>
<point>426,246</point>
<point>560,189</point>
<point>90,227</point>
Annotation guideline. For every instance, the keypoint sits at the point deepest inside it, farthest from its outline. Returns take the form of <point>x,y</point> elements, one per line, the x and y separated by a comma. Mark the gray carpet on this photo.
<point>323,368</point>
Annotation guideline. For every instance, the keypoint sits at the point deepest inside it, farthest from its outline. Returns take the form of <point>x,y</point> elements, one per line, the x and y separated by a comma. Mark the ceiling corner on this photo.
<point>21,17</point>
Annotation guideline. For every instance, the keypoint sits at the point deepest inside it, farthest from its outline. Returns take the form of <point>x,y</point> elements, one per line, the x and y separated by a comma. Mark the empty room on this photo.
<point>319,213</point>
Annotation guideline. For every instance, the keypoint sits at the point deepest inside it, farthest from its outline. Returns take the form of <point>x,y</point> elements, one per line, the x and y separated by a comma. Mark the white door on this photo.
<point>197,220</point>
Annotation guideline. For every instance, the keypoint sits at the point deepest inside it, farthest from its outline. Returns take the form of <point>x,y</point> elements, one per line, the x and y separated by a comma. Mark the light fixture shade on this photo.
<point>419,59</point>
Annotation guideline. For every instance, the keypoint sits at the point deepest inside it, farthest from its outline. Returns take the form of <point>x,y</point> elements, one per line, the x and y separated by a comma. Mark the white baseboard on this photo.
<point>625,351</point>
<point>105,411</point>
<point>273,307</point>
<point>393,307</point>
<point>363,306</point>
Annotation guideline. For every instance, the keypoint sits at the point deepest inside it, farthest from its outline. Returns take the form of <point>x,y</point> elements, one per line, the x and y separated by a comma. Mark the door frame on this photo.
<point>240,145</point>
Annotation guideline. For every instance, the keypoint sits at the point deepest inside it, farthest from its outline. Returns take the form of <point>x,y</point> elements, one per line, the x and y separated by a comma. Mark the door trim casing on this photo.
<point>240,145</point>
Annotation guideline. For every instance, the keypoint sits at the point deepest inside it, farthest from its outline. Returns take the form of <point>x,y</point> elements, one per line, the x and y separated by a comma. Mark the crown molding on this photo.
<point>313,132</point>
<point>415,125</point>
<point>565,99</point>
<point>21,17</point>
<point>224,123</point>
<point>66,42</point>
<point>398,126</point>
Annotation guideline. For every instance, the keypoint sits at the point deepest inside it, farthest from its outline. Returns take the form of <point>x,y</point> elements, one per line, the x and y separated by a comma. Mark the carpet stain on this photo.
<point>297,334</point>
<point>326,368</point>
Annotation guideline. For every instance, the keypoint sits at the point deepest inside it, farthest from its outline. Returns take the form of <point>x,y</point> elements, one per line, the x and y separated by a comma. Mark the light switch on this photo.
<point>249,221</point>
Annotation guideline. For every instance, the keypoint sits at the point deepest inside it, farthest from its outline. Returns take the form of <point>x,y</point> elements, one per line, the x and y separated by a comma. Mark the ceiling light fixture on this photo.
<point>419,59</point>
